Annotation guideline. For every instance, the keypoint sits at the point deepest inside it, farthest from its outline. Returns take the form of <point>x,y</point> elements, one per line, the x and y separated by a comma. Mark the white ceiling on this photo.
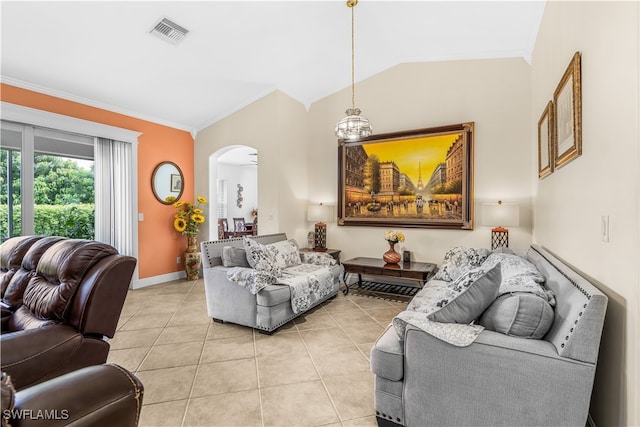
<point>101,53</point>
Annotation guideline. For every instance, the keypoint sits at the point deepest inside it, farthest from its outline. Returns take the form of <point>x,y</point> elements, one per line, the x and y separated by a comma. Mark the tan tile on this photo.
<point>129,358</point>
<point>187,317</point>
<point>352,394</point>
<point>339,361</point>
<point>231,409</point>
<point>147,321</point>
<point>340,305</point>
<point>130,309</point>
<point>384,315</point>
<point>362,332</point>
<point>121,322</point>
<point>315,320</point>
<point>136,338</point>
<point>344,318</point>
<point>286,369</point>
<point>303,404</point>
<point>172,355</point>
<point>279,343</point>
<point>225,377</point>
<point>361,422</point>
<point>165,385</point>
<point>177,334</point>
<point>227,330</point>
<point>325,338</point>
<point>166,414</point>
<point>365,348</point>
<point>227,349</point>
<point>371,302</point>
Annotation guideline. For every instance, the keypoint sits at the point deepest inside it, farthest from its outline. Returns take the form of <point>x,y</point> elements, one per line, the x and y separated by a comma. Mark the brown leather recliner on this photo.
<point>64,302</point>
<point>101,395</point>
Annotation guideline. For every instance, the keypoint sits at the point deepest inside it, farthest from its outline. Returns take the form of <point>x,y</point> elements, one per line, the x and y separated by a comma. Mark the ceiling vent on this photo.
<point>169,31</point>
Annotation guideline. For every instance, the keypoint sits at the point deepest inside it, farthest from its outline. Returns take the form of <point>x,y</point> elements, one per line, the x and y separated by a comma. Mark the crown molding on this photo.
<point>90,102</point>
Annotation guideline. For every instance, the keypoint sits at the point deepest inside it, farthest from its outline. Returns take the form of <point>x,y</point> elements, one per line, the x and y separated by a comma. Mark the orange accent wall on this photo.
<point>158,243</point>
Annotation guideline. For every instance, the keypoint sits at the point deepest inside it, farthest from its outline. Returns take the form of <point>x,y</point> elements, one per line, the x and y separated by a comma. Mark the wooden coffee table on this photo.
<point>421,272</point>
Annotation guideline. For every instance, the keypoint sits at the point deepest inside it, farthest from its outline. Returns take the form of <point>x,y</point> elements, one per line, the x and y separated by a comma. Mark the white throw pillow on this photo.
<point>285,252</point>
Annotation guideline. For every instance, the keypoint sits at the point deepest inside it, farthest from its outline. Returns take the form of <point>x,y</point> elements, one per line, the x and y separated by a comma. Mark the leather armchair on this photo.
<point>61,306</point>
<point>102,395</point>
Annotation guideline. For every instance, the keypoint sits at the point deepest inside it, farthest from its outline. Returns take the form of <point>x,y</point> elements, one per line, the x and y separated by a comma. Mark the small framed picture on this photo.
<point>567,117</point>
<point>545,141</point>
<point>176,183</point>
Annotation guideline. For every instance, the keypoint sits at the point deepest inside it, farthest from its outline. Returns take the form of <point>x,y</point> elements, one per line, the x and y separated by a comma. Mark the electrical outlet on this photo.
<point>178,260</point>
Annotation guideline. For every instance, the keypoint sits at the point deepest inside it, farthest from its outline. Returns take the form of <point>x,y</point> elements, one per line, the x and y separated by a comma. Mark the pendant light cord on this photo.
<point>353,58</point>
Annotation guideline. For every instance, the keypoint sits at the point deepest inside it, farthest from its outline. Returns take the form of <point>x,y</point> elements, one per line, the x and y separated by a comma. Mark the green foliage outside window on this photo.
<point>75,221</point>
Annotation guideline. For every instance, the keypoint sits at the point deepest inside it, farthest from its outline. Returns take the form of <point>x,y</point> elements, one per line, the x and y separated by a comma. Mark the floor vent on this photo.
<point>169,31</point>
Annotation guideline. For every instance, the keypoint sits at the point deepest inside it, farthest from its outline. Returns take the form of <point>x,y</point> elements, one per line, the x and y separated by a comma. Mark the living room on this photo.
<point>505,98</point>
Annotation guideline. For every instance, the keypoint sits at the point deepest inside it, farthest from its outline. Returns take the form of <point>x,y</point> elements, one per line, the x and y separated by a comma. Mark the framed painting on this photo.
<point>567,117</point>
<point>416,178</point>
<point>176,183</point>
<point>545,141</point>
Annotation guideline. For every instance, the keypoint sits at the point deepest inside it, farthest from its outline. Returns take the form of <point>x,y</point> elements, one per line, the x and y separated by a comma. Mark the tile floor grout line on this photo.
<point>195,375</point>
<point>255,358</point>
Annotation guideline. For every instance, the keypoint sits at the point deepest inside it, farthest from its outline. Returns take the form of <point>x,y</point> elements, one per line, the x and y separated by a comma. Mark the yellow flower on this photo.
<point>178,204</point>
<point>197,218</point>
<point>202,199</point>
<point>179,224</point>
<point>198,211</point>
<point>170,199</point>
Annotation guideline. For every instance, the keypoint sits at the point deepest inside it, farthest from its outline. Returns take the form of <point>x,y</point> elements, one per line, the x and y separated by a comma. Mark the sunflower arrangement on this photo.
<point>189,216</point>
<point>393,236</point>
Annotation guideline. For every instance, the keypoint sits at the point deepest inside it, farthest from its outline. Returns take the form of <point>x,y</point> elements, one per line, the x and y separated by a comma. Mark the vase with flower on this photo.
<point>187,222</point>
<point>392,237</point>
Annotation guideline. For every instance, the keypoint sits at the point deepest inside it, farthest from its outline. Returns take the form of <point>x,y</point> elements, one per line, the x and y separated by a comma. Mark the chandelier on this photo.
<point>353,126</point>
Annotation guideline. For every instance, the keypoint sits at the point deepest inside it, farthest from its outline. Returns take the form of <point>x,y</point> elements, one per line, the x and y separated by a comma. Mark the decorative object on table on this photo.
<point>382,182</point>
<point>500,215</point>
<point>567,117</point>
<point>353,126</point>
<point>406,256</point>
<point>393,237</point>
<point>321,214</point>
<point>254,213</point>
<point>187,221</point>
<point>239,199</point>
<point>545,141</point>
<point>311,239</point>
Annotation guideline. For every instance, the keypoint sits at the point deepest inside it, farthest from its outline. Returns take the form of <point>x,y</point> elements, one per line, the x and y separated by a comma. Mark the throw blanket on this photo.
<point>518,275</point>
<point>309,283</point>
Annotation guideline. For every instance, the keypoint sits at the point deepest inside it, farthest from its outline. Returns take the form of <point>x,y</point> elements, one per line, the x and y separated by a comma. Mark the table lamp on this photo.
<point>499,216</point>
<point>321,214</point>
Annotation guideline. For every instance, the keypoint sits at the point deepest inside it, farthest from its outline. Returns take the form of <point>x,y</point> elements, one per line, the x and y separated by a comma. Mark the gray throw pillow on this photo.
<point>520,314</point>
<point>234,257</point>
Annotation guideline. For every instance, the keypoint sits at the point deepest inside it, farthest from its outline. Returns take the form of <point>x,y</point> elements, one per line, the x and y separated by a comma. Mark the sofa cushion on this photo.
<point>260,257</point>
<point>387,356</point>
<point>234,257</point>
<point>285,252</point>
<point>273,295</point>
<point>520,314</point>
<point>459,260</point>
<point>460,301</point>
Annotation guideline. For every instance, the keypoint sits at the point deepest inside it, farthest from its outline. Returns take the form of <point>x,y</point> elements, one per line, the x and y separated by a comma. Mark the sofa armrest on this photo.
<point>512,369</point>
<point>101,395</point>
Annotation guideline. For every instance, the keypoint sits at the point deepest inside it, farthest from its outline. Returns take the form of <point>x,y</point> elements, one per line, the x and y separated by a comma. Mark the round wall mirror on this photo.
<point>167,180</point>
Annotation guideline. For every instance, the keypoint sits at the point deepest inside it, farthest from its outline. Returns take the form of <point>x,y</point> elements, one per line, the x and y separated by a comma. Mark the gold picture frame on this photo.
<point>567,117</point>
<point>416,178</point>
<point>546,142</point>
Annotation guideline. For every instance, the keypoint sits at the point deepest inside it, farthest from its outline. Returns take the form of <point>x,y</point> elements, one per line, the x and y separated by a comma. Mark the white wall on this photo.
<point>247,176</point>
<point>569,203</point>
<point>495,94</point>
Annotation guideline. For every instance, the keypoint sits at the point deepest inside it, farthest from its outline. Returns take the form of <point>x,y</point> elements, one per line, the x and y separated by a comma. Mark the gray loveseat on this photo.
<point>498,380</point>
<point>267,309</point>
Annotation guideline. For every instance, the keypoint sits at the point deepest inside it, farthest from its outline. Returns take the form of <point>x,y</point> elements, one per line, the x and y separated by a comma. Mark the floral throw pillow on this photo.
<point>460,301</point>
<point>251,279</point>
<point>260,257</point>
<point>458,261</point>
<point>318,258</point>
<point>285,252</point>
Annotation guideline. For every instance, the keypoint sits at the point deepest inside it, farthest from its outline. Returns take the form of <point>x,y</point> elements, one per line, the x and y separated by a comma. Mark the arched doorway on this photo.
<point>233,186</point>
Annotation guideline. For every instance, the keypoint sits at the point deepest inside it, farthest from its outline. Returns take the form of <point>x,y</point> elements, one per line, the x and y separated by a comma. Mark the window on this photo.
<point>222,198</point>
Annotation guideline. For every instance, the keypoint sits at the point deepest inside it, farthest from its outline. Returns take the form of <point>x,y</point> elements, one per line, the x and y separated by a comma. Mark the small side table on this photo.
<point>420,272</point>
<point>335,253</point>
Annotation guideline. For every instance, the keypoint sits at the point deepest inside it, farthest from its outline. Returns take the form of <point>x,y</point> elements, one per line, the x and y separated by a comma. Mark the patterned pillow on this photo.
<point>285,252</point>
<point>251,279</point>
<point>318,258</point>
<point>260,257</point>
<point>459,260</point>
<point>460,301</point>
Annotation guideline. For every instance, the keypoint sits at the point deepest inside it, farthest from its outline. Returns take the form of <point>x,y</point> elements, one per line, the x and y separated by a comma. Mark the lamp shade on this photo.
<point>501,214</point>
<point>320,213</point>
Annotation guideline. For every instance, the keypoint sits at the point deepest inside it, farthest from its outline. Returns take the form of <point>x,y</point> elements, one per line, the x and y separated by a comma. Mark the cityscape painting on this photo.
<point>418,178</point>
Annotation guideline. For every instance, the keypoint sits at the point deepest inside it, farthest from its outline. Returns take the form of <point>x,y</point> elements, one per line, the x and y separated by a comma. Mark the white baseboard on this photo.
<point>154,280</point>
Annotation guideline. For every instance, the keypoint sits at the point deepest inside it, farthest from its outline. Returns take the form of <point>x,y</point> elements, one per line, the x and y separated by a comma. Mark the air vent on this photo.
<point>169,31</point>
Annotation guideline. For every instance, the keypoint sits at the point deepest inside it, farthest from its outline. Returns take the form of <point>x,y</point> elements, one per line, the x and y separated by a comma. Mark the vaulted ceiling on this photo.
<point>102,54</point>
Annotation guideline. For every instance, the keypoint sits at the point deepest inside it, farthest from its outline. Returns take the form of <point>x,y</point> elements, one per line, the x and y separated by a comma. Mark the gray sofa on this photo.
<point>498,380</point>
<point>265,311</point>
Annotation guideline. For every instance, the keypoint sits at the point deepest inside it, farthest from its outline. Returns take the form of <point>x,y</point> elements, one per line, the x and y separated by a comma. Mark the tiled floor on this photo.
<point>314,371</point>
